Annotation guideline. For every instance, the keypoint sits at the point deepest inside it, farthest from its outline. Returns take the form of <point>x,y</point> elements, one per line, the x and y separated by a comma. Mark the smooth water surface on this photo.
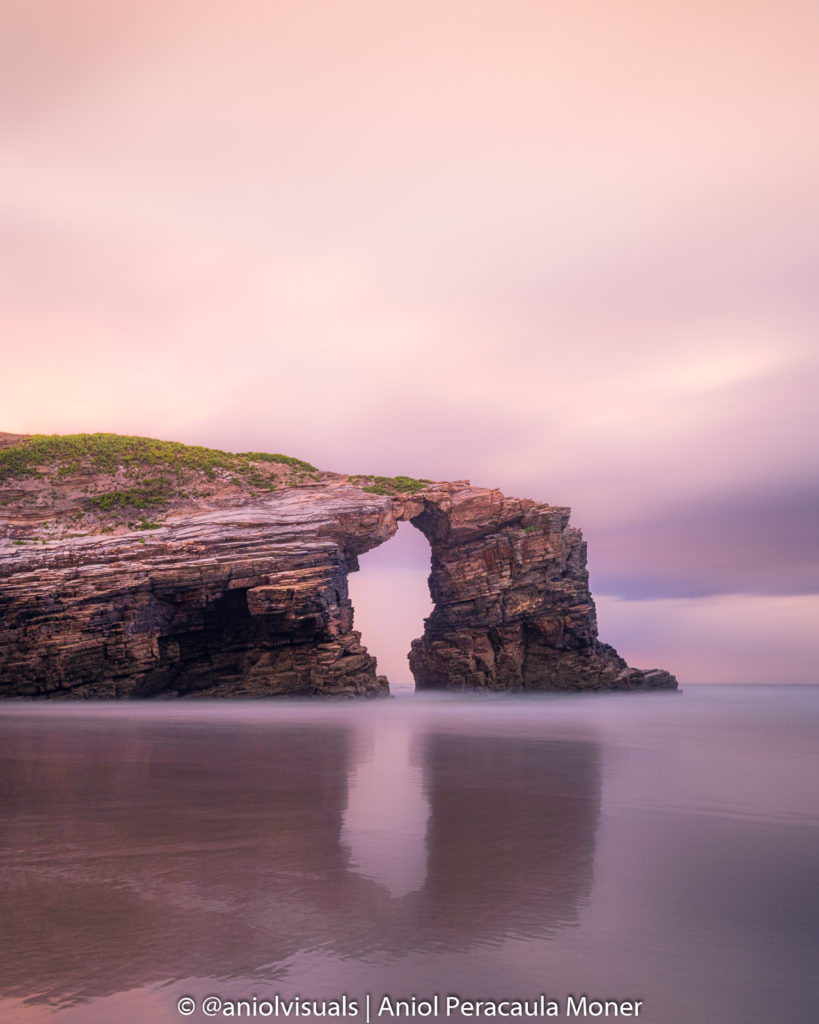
<point>654,847</point>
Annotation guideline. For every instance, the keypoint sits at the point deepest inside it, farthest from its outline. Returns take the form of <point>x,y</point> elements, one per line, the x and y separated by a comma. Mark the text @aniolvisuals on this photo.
<point>368,1008</point>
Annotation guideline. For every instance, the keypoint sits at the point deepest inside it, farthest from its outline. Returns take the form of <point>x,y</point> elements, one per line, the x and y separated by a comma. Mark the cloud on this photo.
<point>727,639</point>
<point>762,542</point>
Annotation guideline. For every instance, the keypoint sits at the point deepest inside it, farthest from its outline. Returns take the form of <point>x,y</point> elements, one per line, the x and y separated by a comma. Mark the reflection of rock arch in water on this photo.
<point>511,835</point>
<point>139,851</point>
<point>149,851</point>
<point>508,847</point>
<point>386,817</point>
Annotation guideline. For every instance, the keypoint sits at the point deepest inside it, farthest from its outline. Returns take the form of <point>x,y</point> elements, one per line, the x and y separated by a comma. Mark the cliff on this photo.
<point>237,584</point>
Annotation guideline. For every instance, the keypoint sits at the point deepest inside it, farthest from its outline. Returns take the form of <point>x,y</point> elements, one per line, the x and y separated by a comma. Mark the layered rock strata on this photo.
<point>252,600</point>
<point>512,607</point>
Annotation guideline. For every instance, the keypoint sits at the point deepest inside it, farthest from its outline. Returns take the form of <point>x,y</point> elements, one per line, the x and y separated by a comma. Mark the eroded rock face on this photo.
<point>253,601</point>
<point>245,601</point>
<point>512,609</point>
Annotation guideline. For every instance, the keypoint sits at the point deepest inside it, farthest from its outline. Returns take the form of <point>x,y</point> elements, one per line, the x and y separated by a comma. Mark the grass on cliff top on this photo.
<point>158,472</point>
<point>108,452</point>
<point>155,471</point>
<point>392,484</point>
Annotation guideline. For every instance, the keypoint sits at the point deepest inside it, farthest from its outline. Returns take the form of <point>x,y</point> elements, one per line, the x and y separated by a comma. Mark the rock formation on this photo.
<point>512,607</point>
<point>246,595</point>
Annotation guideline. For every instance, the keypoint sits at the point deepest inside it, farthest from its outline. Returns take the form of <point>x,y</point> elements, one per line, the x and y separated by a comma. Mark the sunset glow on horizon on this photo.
<point>571,251</point>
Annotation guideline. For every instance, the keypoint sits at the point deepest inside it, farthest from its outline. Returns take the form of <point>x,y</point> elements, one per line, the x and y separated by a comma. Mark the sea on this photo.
<point>438,857</point>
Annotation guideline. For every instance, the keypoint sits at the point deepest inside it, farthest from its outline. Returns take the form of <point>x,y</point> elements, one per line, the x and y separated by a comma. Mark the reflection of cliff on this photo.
<point>138,851</point>
<point>511,833</point>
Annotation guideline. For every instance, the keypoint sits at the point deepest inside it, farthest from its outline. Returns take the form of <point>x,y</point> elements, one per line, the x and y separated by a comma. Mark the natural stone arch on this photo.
<point>252,600</point>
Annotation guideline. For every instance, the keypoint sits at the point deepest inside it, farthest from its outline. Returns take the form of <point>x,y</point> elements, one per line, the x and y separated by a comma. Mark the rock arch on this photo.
<point>253,601</point>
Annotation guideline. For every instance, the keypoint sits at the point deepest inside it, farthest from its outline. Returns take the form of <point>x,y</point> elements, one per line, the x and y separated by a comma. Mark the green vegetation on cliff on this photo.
<point>155,492</point>
<point>100,480</point>
<point>141,472</point>
<point>392,484</point>
<point>110,452</point>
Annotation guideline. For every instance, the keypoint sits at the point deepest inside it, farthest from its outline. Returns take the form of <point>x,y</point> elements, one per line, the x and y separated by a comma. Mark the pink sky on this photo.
<point>570,250</point>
